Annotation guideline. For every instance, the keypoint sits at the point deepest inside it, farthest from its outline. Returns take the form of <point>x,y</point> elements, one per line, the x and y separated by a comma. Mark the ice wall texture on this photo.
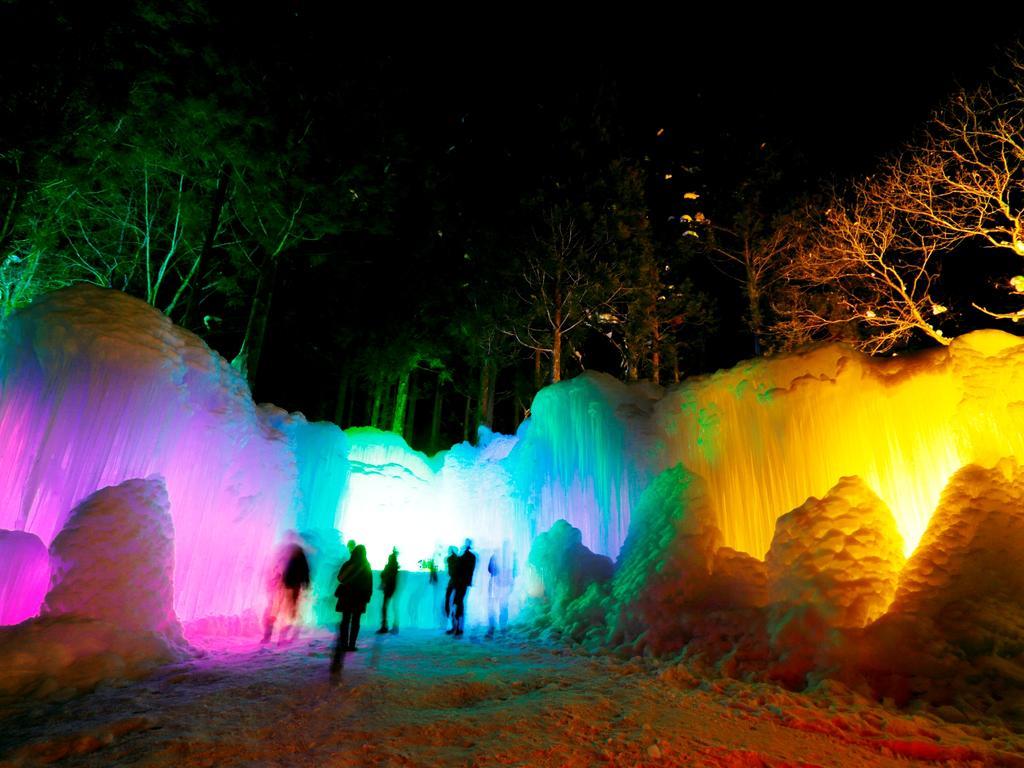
<point>768,433</point>
<point>585,456</point>
<point>114,560</point>
<point>97,388</point>
<point>24,575</point>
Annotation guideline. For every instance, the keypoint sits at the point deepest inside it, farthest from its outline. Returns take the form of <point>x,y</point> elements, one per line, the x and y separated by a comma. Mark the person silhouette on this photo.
<point>464,568</point>
<point>291,577</point>
<point>502,569</point>
<point>388,584</point>
<point>451,562</point>
<point>355,588</point>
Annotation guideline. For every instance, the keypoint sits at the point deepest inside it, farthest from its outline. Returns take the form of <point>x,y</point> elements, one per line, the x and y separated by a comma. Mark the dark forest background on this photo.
<point>418,232</point>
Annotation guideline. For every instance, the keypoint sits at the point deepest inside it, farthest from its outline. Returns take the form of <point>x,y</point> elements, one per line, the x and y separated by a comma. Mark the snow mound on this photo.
<point>841,554</point>
<point>666,562</point>
<point>955,631</point>
<point>114,560</point>
<point>565,567</point>
<point>110,612</point>
<point>24,575</point>
<point>737,581</point>
<point>63,655</point>
<point>972,548</point>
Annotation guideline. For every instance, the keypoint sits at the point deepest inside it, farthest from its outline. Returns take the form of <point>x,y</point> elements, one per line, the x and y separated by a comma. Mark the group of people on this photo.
<point>355,589</point>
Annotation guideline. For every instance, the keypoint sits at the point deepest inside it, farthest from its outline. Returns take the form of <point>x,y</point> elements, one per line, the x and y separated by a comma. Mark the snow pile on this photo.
<point>110,611</point>
<point>841,554</point>
<point>666,563</point>
<point>834,598</point>
<point>957,622</point>
<point>24,575</point>
<point>974,544</point>
<point>97,387</point>
<point>564,567</point>
<point>114,560</point>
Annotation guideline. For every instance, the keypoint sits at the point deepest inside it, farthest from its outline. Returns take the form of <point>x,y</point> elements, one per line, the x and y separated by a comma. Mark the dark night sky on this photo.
<point>837,95</point>
<point>481,106</point>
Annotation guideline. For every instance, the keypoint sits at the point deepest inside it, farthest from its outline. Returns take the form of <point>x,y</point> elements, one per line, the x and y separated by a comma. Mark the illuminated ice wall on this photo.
<point>769,433</point>
<point>584,456</point>
<point>97,388</point>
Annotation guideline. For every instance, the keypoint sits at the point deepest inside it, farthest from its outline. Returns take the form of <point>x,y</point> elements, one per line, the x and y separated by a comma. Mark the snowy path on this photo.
<point>422,699</point>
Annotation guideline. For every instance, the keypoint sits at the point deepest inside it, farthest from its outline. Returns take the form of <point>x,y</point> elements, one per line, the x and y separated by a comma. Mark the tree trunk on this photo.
<point>350,408</point>
<point>755,320</point>
<point>632,368</point>
<point>538,371</point>
<point>387,409</point>
<point>401,402</point>
<point>409,431</point>
<point>435,418</point>
<point>341,400</point>
<point>753,302</point>
<point>378,396</point>
<point>556,340</point>
<point>485,404</point>
<point>247,361</point>
<point>209,239</point>
<point>466,416</point>
<point>656,354</point>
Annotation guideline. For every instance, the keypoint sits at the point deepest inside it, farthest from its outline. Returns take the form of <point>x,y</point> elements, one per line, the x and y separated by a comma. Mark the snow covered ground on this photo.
<point>420,698</point>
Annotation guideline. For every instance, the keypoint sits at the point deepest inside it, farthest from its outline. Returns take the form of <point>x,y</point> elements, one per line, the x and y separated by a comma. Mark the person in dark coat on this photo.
<point>290,578</point>
<point>464,569</point>
<point>451,562</point>
<point>388,585</point>
<point>355,588</point>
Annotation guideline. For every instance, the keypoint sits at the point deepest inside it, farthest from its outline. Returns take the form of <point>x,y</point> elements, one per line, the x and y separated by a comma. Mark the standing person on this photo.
<point>452,562</point>
<point>434,583</point>
<point>355,588</point>
<point>464,568</point>
<point>499,588</point>
<point>291,577</point>
<point>388,584</point>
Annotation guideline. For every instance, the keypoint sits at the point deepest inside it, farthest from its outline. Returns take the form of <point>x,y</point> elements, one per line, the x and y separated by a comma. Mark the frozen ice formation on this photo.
<point>584,456</point>
<point>771,432</point>
<point>666,562</point>
<point>841,554</point>
<point>974,545</point>
<point>113,560</point>
<point>565,567</point>
<point>97,388</point>
<point>768,506</point>
<point>110,610</point>
<point>24,575</point>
